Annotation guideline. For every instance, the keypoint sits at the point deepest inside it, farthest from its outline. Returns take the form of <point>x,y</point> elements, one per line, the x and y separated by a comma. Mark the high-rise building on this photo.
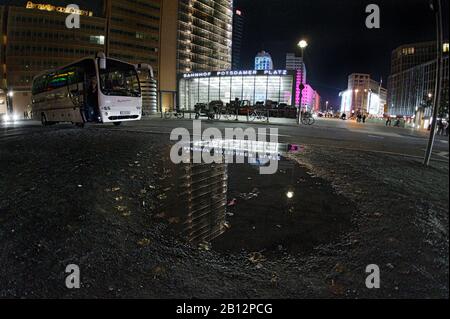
<point>363,95</point>
<point>412,82</point>
<point>294,62</point>
<point>263,61</point>
<point>196,36</point>
<point>204,35</point>
<point>238,30</point>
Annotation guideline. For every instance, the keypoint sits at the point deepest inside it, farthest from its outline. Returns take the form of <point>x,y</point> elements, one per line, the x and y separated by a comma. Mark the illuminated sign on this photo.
<point>51,8</point>
<point>235,73</point>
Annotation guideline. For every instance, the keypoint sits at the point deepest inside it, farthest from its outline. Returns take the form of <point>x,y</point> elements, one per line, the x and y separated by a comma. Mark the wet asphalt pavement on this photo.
<point>109,200</point>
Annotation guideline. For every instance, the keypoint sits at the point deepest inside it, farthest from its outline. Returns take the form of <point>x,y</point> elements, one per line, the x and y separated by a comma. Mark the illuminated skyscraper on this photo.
<point>263,61</point>
<point>204,35</point>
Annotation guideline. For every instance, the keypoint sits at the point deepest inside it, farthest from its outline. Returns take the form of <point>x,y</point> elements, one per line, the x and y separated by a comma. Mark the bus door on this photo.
<point>76,89</point>
<point>92,112</point>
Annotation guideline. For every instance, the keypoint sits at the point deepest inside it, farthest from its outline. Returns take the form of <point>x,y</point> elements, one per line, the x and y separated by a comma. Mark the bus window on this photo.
<point>119,79</point>
<point>57,80</point>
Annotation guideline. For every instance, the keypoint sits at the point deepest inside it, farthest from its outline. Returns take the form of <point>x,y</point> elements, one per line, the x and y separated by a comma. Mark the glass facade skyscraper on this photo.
<point>205,35</point>
<point>413,79</point>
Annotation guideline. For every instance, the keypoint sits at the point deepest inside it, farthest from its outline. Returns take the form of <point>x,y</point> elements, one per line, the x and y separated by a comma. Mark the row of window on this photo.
<point>17,49</point>
<point>146,3</point>
<point>136,13</point>
<point>53,37</point>
<point>137,35</point>
<point>46,21</point>
<point>134,46</point>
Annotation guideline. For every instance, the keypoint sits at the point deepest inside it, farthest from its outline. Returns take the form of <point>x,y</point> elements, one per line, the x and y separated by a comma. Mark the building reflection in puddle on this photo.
<point>234,207</point>
<point>203,193</point>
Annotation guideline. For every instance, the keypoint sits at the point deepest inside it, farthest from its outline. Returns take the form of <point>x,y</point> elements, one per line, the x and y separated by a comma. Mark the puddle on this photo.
<point>232,207</point>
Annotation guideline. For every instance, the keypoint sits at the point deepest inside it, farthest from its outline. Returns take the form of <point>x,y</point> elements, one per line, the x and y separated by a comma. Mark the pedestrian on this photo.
<point>397,123</point>
<point>446,128</point>
<point>92,100</point>
<point>237,105</point>
<point>364,118</point>
<point>388,121</point>
<point>440,126</point>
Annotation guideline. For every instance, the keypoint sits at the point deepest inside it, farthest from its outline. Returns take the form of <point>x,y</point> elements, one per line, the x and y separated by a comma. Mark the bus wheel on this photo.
<point>117,123</point>
<point>44,120</point>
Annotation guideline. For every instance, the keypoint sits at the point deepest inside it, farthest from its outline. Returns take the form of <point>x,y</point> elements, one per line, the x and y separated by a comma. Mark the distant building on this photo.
<point>238,30</point>
<point>363,95</point>
<point>412,82</point>
<point>316,102</point>
<point>263,61</point>
<point>294,62</point>
<point>310,99</point>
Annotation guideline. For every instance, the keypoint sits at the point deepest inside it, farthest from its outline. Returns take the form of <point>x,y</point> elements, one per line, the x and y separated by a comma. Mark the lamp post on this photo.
<point>302,45</point>
<point>436,7</point>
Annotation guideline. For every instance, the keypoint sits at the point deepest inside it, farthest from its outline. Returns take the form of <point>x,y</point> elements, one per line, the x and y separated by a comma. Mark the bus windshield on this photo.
<point>119,79</point>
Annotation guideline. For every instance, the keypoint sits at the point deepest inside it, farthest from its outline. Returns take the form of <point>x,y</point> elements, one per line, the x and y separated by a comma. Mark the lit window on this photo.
<point>97,39</point>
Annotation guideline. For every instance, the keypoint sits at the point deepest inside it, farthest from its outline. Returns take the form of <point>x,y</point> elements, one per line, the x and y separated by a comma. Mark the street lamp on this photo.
<point>302,45</point>
<point>436,7</point>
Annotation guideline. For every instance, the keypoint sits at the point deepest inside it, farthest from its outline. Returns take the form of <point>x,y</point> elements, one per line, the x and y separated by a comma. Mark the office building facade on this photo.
<point>411,85</point>
<point>364,96</point>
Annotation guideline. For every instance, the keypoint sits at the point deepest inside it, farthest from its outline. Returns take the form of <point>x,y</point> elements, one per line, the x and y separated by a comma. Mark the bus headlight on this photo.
<point>16,117</point>
<point>6,118</point>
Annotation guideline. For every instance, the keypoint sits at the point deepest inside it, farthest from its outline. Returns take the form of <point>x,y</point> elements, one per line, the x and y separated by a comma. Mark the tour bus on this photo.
<point>92,90</point>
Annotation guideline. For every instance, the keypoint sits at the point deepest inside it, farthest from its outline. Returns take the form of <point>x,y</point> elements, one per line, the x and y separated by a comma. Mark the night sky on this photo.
<point>339,42</point>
